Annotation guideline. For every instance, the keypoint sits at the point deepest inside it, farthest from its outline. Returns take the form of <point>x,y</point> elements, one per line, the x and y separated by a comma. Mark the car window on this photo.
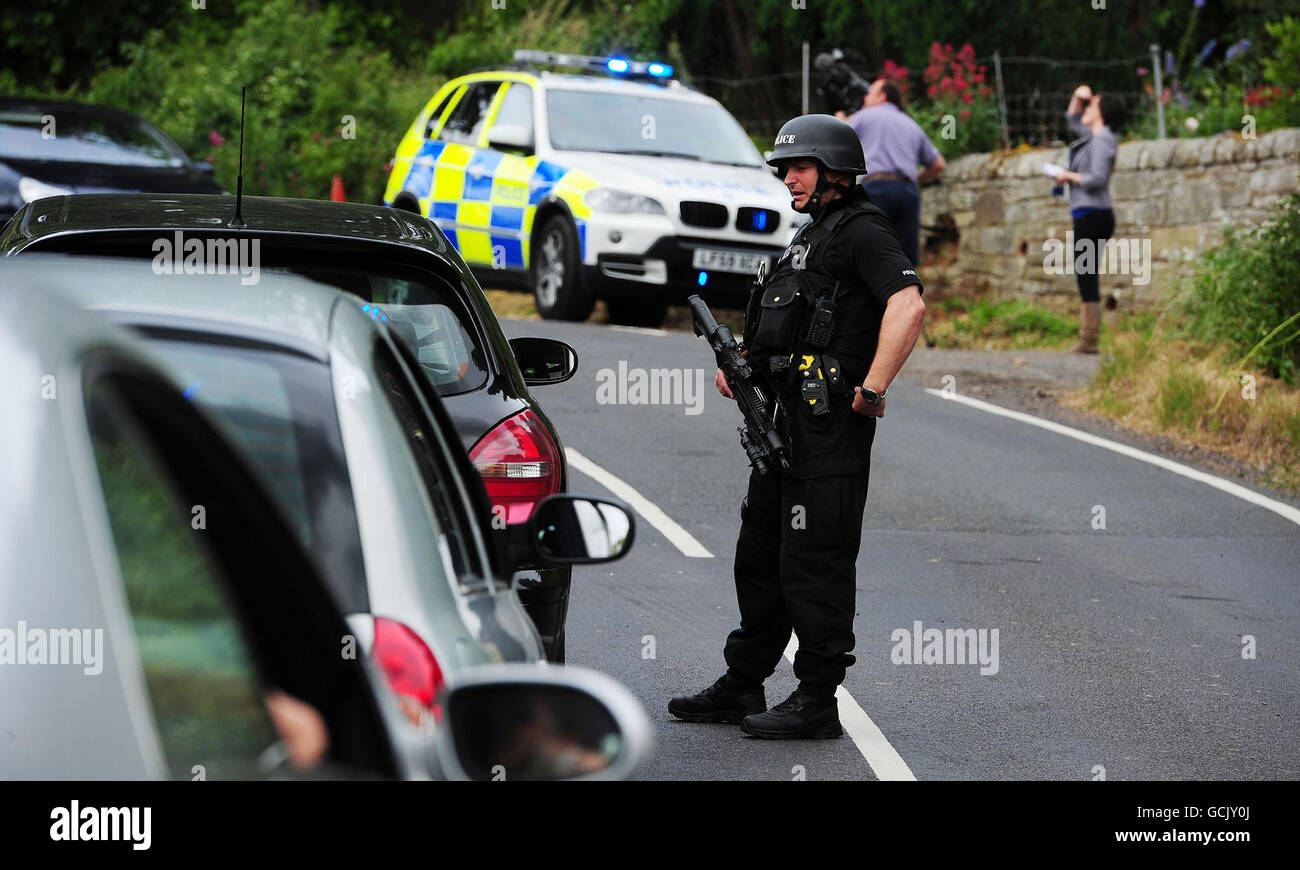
<point>436,115</point>
<point>467,118</point>
<point>516,108</point>
<point>279,408</point>
<point>73,136</point>
<point>450,517</point>
<point>199,670</point>
<point>616,122</point>
<point>424,311</point>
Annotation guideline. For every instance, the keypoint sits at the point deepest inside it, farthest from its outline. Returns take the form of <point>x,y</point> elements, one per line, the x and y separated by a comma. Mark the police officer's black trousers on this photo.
<point>795,569</point>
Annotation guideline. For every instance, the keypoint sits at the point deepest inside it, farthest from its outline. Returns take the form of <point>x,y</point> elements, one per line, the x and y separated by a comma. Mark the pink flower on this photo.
<point>215,138</point>
<point>966,98</point>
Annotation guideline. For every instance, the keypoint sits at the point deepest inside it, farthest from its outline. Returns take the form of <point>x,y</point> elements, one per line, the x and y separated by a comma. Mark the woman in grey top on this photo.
<point>1094,118</point>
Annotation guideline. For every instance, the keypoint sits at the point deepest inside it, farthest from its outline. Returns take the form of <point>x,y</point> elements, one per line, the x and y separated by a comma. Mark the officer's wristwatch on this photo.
<point>872,397</point>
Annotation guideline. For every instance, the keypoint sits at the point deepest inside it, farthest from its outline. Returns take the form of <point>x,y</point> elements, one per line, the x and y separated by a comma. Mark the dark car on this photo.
<point>50,148</point>
<point>386,256</point>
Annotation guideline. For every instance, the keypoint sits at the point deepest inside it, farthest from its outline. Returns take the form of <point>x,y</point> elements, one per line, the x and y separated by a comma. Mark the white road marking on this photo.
<point>680,538</point>
<point>1241,492</point>
<point>639,330</point>
<point>884,760</point>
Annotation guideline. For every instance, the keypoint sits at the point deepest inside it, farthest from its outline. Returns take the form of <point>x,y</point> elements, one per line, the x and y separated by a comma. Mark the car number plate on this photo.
<point>728,261</point>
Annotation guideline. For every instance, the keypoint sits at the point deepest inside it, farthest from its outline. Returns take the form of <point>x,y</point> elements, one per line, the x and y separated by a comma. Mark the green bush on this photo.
<point>1246,288</point>
<point>304,74</point>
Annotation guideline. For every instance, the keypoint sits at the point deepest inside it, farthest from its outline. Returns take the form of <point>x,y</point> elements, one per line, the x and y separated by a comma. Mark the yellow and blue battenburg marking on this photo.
<point>484,201</point>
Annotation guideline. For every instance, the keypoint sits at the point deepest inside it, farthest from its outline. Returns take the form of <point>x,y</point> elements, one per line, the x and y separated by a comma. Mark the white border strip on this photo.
<point>679,537</point>
<point>885,762</point>
<point>1241,492</point>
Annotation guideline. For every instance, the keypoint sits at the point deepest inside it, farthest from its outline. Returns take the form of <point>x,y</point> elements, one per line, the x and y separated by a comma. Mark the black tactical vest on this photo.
<point>809,371</point>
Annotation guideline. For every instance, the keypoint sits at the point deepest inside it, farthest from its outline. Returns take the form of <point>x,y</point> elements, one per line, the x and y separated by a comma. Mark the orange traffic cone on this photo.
<point>336,189</point>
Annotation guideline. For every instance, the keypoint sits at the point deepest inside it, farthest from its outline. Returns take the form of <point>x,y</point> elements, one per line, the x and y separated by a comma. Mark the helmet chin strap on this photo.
<point>814,205</point>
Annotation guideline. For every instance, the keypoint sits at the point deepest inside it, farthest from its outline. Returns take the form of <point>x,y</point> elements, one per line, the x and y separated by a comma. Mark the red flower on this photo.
<point>316,136</point>
<point>964,113</point>
<point>215,138</point>
<point>966,98</point>
<point>967,53</point>
<point>932,90</point>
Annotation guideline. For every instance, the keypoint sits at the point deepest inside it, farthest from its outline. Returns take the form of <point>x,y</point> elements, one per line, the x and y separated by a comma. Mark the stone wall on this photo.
<point>1174,194</point>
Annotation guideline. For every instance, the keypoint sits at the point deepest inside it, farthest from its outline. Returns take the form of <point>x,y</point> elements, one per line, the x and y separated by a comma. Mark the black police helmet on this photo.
<point>824,138</point>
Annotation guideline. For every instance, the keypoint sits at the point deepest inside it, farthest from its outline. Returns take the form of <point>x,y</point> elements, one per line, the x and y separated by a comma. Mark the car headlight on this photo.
<point>603,199</point>
<point>30,189</point>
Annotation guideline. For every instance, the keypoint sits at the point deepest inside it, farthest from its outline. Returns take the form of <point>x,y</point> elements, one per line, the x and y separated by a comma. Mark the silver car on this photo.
<point>327,403</point>
<point>159,618</point>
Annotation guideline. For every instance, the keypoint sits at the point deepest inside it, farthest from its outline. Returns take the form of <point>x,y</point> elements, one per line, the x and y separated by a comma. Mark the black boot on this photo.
<point>724,701</point>
<point>800,716</point>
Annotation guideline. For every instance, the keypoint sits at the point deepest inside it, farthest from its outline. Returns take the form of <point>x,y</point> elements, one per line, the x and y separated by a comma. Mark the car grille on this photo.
<point>757,220</point>
<point>711,215</point>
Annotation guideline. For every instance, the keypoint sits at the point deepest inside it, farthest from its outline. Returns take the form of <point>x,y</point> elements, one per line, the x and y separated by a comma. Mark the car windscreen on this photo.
<point>70,136</point>
<point>423,309</point>
<point>279,408</point>
<point>617,123</point>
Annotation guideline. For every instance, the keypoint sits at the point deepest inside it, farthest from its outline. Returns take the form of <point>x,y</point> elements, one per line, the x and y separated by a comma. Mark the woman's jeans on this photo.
<point>1096,227</point>
<point>901,203</point>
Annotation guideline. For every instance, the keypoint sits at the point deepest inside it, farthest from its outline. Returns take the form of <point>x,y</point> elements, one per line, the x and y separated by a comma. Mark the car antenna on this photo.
<point>237,222</point>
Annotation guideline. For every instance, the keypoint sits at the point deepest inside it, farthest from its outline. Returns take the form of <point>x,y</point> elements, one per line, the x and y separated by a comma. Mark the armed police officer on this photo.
<point>829,328</point>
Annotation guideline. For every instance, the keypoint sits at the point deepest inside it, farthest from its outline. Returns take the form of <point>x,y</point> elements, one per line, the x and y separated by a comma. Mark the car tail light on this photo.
<point>408,663</point>
<point>520,465</point>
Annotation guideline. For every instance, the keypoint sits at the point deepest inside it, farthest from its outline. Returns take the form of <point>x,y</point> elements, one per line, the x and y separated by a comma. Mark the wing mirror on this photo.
<point>544,360</point>
<point>572,530</point>
<point>520,722</point>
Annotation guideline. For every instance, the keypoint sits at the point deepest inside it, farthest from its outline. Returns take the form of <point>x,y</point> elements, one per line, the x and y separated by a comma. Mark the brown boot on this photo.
<point>1089,328</point>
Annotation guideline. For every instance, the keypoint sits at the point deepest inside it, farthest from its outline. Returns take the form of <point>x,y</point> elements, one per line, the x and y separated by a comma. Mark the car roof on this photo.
<point>43,104</point>
<point>281,309</point>
<point>198,212</point>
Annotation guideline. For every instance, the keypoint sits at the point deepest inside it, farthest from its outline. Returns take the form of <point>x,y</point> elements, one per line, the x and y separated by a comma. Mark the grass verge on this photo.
<point>1157,383</point>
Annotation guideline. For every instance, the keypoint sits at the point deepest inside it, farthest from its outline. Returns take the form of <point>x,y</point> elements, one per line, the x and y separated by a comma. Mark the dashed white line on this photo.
<point>884,760</point>
<point>1241,492</point>
<point>679,537</point>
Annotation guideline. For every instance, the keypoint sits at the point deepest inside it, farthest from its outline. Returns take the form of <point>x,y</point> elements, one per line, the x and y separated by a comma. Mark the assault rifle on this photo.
<point>762,441</point>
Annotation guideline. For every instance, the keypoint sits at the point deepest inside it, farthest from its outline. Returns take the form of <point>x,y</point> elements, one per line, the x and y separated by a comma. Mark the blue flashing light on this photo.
<point>760,220</point>
<point>703,279</point>
<point>616,65</point>
<point>660,70</point>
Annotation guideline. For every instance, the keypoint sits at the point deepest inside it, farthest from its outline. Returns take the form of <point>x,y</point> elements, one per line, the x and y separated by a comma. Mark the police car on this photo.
<point>617,183</point>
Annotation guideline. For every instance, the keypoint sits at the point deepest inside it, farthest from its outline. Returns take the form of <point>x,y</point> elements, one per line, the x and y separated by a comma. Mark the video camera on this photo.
<point>839,86</point>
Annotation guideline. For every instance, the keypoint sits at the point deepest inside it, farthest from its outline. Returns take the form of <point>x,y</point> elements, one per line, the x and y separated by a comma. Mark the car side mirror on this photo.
<point>519,722</point>
<point>572,530</point>
<point>511,137</point>
<point>544,360</point>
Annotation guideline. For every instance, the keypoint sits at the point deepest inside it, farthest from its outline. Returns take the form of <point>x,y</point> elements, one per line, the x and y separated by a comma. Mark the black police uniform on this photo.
<point>802,526</point>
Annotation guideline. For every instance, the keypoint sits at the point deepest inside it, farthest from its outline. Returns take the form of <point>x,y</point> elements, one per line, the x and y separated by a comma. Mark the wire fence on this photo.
<point>1035,92</point>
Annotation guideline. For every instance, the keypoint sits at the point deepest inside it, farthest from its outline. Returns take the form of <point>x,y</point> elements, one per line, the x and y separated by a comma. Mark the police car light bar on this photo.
<point>620,66</point>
